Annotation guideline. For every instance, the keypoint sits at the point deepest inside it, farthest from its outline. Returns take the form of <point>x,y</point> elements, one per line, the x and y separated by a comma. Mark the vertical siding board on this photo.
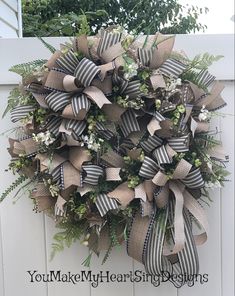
<point>210,252</point>
<point>165,289</point>
<point>22,230</point>
<point>2,291</point>
<point>31,247</point>
<point>117,263</point>
<point>70,260</point>
<point>227,195</point>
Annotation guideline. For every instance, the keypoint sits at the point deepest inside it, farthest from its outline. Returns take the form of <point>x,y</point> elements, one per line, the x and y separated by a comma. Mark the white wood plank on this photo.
<point>28,49</point>
<point>8,15</point>
<point>70,260</point>
<point>227,195</point>
<point>16,51</point>
<point>118,263</point>
<point>12,4</point>
<point>2,291</point>
<point>22,230</point>
<point>210,252</point>
<point>142,288</point>
<point>7,31</point>
<point>219,44</point>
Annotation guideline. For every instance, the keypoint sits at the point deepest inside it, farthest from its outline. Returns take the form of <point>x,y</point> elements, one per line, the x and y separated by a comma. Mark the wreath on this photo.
<point>115,144</point>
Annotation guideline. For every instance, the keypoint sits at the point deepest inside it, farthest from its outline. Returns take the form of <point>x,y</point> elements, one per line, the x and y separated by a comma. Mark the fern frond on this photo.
<point>26,69</point>
<point>72,232</point>
<point>13,186</point>
<point>47,45</point>
<point>16,98</point>
<point>203,61</point>
<point>193,76</point>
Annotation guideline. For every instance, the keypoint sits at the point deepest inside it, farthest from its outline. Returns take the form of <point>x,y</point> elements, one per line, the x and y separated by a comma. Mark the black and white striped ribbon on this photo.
<point>58,100</point>
<point>20,112</point>
<point>76,126</point>
<point>205,78</point>
<point>172,67</point>
<point>105,204</point>
<point>188,262</point>
<point>120,82</point>
<point>93,173</point>
<point>155,263</point>
<point>180,144</point>
<point>53,125</point>
<point>68,62</point>
<point>80,102</point>
<point>107,40</point>
<point>149,168</point>
<point>151,143</point>
<point>145,55</point>
<point>129,123</point>
<point>36,88</point>
<point>86,71</point>
<point>56,174</point>
<point>60,213</point>
<point>161,155</point>
<point>133,89</point>
<point>194,179</point>
<point>103,131</point>
<point>158,116</point>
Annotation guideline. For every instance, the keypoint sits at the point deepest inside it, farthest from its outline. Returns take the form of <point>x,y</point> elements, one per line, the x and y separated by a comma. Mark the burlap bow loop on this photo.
<point>67,172</point>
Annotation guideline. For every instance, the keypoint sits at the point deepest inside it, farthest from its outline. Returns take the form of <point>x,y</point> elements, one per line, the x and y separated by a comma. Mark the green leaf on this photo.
<point>47,45</point>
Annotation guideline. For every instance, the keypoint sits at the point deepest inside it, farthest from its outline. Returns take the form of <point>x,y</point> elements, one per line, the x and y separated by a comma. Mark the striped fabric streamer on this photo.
<point>21,112</point>
<point>105,204</point>
<point>122,83</point>
<point>158,116</point>
<point>93,173</point>
<point>151,143</point>
<point>133,89</point>
<point>205,78</point>
<point>68,62</point>
<point>145,55</point>
<point>57,101</point>
<point>53,125</point>
<point>86,71</point>
<point>188,257</point>
<point>56,174</point>
<point>149,168</point>
<point>172,67</point>
<point>77,127</point>
<point>107,40</point>
<point>161,155</point>
<point>194,179</point>
<point>129,123</point>
<point>155,263</point>
<point>180,144</point>
<point>36,88</point>
<point>58,212</point>
<point>80,102</point>
<point>103,131</point>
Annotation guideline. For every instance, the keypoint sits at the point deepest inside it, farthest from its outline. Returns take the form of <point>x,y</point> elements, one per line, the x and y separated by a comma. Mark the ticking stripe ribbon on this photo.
<point>105,204</point>
<point>21,112</point>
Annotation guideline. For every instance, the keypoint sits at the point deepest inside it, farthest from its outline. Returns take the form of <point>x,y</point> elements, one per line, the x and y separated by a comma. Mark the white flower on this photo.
<point>173,83</point>
<point>204,115</point>
<point>44,138</point>
<point>92,142</point>
<point>130,70</point>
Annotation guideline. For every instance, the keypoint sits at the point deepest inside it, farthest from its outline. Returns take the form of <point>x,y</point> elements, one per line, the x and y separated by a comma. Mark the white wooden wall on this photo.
<point>10,19</point>
<point>25,237</point>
